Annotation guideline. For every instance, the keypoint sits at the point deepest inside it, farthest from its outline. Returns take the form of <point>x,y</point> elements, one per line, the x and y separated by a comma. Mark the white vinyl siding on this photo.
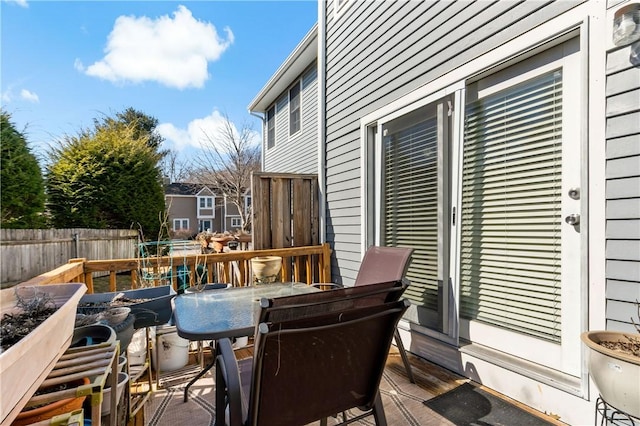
<point>378,52</point>
<point>511,209</point>
<point>622,190</point>
<point>297,153</point>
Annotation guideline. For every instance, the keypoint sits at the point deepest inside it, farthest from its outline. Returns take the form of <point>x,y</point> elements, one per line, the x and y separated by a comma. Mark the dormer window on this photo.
<point>206,202</point>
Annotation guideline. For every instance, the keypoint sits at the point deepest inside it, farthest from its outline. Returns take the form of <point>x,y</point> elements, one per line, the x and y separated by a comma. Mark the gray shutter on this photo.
<point>511,217</point>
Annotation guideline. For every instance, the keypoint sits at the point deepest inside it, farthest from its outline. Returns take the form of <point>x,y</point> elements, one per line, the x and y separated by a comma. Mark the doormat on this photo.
<point>472,406</point>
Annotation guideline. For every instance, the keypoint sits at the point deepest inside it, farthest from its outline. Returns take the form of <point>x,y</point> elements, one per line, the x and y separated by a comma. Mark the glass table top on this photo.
<point>232,312</point>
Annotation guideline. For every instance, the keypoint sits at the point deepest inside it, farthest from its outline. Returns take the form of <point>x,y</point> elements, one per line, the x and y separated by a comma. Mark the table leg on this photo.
<point>196,377</point>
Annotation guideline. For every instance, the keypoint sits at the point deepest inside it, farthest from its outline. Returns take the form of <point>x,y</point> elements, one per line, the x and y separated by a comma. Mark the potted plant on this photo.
<point>266,268</point>
<point>614,365</point>
<point>43,344</point>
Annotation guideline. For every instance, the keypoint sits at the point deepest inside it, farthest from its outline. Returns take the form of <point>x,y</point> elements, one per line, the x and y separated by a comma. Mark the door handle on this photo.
<point>572,219</point>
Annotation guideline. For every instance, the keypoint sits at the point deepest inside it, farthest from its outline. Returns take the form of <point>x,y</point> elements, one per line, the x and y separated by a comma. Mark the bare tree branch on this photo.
<point>228,158</point>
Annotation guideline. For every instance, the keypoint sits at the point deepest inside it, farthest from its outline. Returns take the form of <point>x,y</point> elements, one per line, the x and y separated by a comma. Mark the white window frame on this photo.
<point>271,139</point>
<point>236,222</point>
<point>183,224</point>
<point>297,84</point>
<point>436,90</point>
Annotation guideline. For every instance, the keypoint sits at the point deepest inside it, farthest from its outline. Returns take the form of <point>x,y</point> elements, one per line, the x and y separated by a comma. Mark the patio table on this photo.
<point>232,312</point>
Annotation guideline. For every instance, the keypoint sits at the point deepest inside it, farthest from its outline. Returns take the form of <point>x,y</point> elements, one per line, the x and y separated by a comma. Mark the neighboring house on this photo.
<point>501,140</point>
<point>194,208</point>
<point>289,105</point>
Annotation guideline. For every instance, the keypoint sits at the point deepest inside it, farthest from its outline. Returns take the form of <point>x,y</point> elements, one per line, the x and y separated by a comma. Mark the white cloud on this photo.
<point>21,3</point>
<point>28,95</point>
<point>7,96</point>
<point>199,132</point>
<point>171,51</point>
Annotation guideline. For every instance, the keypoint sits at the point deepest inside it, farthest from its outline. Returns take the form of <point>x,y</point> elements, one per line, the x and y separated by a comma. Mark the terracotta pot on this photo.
<point>266,268</point>
<point>53,409</point>
<point>220,242</point>
<point>616,374</point>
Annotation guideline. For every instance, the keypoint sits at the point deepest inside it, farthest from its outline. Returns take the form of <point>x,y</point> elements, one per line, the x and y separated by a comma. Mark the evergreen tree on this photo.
<point>106,178</point>
<point>21,183</point>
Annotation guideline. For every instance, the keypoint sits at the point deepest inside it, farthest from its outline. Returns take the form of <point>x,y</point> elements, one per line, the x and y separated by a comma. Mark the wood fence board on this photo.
<point>285,211</point>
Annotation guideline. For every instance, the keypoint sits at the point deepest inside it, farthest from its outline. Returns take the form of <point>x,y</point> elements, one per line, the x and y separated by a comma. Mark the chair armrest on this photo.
<point>228,376</point>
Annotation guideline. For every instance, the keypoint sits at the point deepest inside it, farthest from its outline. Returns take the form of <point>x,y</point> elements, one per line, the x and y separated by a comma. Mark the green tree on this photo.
<point>143,125</point>
<point>22,186</point>
<point>106,178</point>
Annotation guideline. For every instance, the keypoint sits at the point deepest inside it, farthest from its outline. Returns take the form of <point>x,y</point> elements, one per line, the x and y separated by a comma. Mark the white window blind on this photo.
<point>410,199</point>
<point>511,216</point>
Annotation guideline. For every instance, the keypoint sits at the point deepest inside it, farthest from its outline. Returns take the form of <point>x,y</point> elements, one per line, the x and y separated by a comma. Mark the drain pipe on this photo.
<point>263,119</point>
<point>322,129</point>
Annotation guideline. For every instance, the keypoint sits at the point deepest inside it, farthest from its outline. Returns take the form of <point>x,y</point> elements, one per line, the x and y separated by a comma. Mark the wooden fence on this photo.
<point>26,253</point>
<point>285,210</point>
<point>310,264</point>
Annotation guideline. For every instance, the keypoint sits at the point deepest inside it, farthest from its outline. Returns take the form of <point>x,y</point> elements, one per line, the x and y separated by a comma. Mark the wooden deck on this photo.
<point>431,381</point>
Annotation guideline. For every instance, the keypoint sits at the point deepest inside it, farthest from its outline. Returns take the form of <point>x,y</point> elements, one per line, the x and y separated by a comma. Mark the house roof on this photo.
<point>183,188</point>
<point>304,54</point>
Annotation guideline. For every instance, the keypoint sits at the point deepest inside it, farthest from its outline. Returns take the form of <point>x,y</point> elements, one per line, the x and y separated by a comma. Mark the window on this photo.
<point>206,202</point>
<point>294,109</point>
<point>413,204</point>
<point>236,222</point>
<point>271,127</point>
<point>247,204</point>
<point>180,224</point>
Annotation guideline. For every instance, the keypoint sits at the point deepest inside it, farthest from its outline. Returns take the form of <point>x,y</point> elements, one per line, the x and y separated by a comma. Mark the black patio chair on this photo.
<point>310,368</point>
<point>384,264</point>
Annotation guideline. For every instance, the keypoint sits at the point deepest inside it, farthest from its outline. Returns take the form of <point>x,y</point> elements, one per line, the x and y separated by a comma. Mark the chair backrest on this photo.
<point>312,368</point>
<point>383,264</point>
<point>335,300</point>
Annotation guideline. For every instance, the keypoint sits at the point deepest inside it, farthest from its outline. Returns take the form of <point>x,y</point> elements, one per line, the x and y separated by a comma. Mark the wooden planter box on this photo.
<point>25,365</point>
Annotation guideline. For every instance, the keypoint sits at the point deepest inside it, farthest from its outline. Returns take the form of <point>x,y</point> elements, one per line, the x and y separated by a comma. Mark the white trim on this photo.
<point>302,56</point>
<point>299,131</point>
<point>322,66</point>
<point>181,220</point>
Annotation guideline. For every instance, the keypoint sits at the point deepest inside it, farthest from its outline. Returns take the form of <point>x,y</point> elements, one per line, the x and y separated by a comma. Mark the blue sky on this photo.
<point>64,63</point>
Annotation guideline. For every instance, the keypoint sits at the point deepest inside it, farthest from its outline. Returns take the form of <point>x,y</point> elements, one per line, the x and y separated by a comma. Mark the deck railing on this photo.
<point>307,264</point>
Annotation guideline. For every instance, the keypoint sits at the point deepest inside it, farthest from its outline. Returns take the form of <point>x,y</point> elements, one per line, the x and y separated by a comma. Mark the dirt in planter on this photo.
<point>630,347</point>
<point>33,312</point>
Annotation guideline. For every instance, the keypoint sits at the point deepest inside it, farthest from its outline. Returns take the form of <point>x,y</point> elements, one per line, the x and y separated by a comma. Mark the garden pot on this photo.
<point>53,409</point>
<point>266,268</point>
<point>123,379</point>
<point>616,374</point>
<point>171,352</point>
<point>40,349</point>
<point>152,305</point>
<point>93,334</point>
<point>220,242</point>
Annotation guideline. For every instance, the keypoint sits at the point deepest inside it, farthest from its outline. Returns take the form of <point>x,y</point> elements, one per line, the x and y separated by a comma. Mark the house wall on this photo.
<point>181,207</point>
<point>380,51</point>
<point>297,153</point>
<point>622,190</point>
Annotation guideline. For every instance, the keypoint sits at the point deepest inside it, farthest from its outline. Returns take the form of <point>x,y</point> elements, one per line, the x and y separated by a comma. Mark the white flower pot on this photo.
<point>616,374</point>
